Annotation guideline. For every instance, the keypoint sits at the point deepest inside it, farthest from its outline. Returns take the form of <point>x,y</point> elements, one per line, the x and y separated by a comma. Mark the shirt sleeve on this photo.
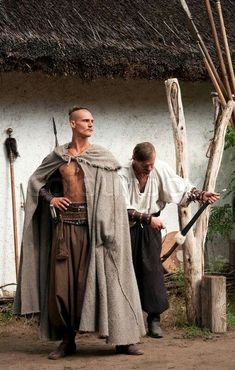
<point>124,184</point>
<point>173,188</point>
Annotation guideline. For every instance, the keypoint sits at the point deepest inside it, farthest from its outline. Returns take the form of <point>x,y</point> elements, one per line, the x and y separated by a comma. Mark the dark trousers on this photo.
<point>146,249</point>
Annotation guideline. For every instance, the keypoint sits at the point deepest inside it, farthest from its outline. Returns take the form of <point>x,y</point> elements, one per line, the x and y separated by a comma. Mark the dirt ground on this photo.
<point>21,349</point>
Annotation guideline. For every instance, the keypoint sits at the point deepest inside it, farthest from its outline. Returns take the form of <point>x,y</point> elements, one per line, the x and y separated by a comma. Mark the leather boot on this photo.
<point>154,328</point>
<point>129,349</point>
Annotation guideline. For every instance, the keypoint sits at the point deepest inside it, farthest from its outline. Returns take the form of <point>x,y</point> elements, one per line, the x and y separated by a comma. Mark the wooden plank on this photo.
<point>213,297</point>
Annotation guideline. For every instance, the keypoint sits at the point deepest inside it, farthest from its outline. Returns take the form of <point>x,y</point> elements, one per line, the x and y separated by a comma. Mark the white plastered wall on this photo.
<point>125,112</point>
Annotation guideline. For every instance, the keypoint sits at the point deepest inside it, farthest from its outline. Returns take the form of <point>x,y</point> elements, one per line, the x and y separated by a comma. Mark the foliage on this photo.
<point>229,143</point>
<point>178,279</point>
<point>220,222</point>
<point>193,331</point>
<point>229,138</point>
<point>218,265</point>
<point>6,313</point>
<point>231,312</point>
<point>231,186</point>
<point>222,217</point>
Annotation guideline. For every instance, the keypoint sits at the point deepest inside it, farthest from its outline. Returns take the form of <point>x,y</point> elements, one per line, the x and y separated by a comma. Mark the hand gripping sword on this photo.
<point>181,235</point>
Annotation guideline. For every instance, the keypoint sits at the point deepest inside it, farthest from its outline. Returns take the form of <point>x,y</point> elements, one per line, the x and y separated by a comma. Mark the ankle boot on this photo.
<point>154,328</point>
<point>129,349</point>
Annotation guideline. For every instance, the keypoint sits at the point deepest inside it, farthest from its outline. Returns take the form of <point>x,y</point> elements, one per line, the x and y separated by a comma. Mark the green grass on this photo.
<point>6,313</point>
<point>178,279</point>
<point>231,312</point>
<point>193,331</point>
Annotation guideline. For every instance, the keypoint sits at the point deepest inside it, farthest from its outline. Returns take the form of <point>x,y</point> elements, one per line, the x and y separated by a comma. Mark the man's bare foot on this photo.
<point>63,350</point>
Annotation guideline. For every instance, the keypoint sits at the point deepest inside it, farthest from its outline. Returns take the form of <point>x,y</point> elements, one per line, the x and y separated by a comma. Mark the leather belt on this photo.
<point>76,214</point>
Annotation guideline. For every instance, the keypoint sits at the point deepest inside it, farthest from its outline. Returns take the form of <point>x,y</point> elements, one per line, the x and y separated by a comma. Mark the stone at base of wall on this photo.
<point>8,291</point>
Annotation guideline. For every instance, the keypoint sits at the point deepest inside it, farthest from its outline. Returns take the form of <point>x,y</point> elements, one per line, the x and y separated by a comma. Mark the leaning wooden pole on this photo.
<point>192,259</point>
<point>216,152</point>
<point>226,45</point>
<point>213,79</point>
<point>218,49</point>
<point>203,47</point>
<point>12,153</point>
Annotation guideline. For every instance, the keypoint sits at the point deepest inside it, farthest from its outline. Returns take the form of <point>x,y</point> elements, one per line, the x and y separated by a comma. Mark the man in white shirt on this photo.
<point>150,184</point>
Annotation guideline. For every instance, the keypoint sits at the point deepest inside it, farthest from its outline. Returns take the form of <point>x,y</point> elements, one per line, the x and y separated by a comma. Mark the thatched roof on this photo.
<point>93,38</point>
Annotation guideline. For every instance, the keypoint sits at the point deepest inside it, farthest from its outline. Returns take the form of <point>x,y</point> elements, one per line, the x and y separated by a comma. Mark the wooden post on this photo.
<point>213,167</point>
<point>213,297</point>
<point>192,257</point>
<point>194,245</point>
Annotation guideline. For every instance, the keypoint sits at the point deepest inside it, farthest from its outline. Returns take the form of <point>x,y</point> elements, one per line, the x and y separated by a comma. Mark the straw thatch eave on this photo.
<point>101,38</point>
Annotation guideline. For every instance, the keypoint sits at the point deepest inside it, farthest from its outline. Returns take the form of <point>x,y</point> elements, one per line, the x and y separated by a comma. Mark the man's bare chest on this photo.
<point>142,183</point>
<point>71,170</point>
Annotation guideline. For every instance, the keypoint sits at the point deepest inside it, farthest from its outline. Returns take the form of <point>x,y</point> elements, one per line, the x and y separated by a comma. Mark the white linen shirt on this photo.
<point>163,186</point>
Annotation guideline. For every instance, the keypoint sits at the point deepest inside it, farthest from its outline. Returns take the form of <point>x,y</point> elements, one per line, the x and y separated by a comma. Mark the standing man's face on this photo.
<point>144,167</point>
<point>81,123</point>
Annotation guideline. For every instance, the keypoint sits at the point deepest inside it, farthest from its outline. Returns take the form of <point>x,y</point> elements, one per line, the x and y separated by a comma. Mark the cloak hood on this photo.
<point>95,156</point>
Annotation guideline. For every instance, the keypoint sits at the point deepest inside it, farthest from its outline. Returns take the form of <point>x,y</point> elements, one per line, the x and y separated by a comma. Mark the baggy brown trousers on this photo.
<point>68,276</point>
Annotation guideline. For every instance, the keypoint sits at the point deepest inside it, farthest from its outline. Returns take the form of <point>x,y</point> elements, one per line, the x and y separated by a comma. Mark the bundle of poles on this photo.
<point>224,83</point>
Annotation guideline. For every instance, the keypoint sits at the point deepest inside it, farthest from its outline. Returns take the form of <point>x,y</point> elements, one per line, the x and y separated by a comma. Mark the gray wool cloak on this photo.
<point>111,303</point>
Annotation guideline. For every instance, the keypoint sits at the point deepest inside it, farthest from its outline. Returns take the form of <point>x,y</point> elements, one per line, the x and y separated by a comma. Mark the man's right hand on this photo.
<point>156,223</point>
<point>61,203</point>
